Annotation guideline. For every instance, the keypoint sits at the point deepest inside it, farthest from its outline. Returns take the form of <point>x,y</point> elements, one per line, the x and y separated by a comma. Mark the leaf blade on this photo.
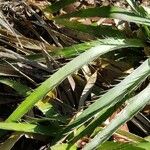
<point>110,12</point>
<point>62,73</point>
<point>125,115</point>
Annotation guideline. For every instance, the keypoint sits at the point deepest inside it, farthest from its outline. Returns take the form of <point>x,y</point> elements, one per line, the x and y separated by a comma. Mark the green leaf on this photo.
<point>118,146</point>
<point>135,105</point>
<point>133,5</point>
<point>99,119</point>
<point>46,108</point>
<point>84,58</point>
<point>144,145</point>
<point>10,142</point>
<point>76,49</point>
<point>29,128</point>
<point>110,12</point>
<point>112,97</point>
<point>128,135</point>
<point>49,111</point>
<point>17,86</point>
<point>98,31</point>
<point>139,10</point>
<point>131,136</point>
<point>63,147</point>
<point>147,138</point>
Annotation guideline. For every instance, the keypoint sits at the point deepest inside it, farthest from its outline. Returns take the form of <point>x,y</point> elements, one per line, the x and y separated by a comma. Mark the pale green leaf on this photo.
<point>136,104</point>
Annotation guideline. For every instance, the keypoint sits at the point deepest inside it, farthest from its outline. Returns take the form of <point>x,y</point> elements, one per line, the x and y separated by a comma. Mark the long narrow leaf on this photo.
<point>17,86</point>
<point>76,49</point>
<point>135,105</point>
<point>68,69</point>
<point>97,121</point>
<point>10,142</point>
<point>98,31</point>
<point>26,127</point>
<point>133,5</point>
<point>113,96</point>
<point>128,135</point>
<point>110,12</point>
<point>118,146</point>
